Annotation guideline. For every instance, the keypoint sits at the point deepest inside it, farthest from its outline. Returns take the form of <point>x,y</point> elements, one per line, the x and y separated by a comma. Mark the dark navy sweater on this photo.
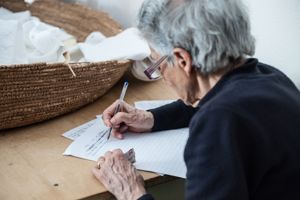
<point>244,140</point>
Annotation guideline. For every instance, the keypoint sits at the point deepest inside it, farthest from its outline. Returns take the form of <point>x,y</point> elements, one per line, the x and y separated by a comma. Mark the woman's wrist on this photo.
<point>149,119</point>
<point>138,192</point>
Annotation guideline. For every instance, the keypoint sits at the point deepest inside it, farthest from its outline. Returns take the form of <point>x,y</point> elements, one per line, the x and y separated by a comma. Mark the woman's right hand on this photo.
<point>127,119</point>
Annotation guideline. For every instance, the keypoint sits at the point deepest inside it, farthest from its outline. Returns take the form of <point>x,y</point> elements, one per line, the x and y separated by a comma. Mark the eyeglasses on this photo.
<point>152,68</point>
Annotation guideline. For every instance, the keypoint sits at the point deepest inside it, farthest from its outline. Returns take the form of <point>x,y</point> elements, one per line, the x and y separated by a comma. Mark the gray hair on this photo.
<point>215,32</point>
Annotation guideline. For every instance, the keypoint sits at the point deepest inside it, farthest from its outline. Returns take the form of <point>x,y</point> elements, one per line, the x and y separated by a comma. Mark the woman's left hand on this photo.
<point>119,176</point>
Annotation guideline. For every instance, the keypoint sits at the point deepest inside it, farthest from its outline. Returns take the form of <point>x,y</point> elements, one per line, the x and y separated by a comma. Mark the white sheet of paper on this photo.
<point>76,132</point>
<point>146,105</point>
<point>88,145</point>
<point>160,152</point>
<point>79,130</point>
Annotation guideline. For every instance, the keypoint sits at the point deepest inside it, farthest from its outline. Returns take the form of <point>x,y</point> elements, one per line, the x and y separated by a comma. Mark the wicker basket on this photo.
<point>32,93</point>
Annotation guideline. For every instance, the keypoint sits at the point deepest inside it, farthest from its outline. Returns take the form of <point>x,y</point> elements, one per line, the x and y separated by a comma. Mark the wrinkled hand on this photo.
<point>119,176</point>
<point>128,119</point>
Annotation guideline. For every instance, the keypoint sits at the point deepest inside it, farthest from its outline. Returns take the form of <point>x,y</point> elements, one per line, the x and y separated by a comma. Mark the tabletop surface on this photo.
<point>31,162</point>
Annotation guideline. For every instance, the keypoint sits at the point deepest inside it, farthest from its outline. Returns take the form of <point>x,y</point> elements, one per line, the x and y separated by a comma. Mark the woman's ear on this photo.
<point>183,60</point>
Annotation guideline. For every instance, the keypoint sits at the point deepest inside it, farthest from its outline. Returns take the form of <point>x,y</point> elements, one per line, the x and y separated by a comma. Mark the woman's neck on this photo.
<point>206,82</point>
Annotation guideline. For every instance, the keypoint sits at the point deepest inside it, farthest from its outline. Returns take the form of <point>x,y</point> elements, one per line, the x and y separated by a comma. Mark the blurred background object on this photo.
<point>124,11</point>
<point>275,25</point>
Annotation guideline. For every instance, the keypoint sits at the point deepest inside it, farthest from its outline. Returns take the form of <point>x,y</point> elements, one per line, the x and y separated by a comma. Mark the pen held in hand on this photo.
<point>119,104</point>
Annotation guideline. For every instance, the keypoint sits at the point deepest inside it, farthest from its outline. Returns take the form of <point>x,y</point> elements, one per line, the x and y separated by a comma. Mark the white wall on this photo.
<point>124,11</point>
<point>276,27</point>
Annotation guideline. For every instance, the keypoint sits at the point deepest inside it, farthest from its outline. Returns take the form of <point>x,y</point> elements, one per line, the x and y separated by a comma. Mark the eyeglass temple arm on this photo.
<point>153,67</point>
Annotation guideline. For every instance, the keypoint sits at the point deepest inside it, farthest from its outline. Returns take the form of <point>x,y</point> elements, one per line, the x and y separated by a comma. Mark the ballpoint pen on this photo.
<point>119,104</point>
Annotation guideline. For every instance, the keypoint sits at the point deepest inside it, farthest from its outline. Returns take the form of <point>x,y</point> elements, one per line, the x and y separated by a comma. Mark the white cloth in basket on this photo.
<point>126,45</point>
<point>25,39</point>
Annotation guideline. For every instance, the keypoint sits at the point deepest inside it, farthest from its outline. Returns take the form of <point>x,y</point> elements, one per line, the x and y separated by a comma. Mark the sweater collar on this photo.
<point>248,66</point>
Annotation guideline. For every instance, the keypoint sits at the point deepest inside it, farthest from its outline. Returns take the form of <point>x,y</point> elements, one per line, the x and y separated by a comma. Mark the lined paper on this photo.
<point>160,152</point>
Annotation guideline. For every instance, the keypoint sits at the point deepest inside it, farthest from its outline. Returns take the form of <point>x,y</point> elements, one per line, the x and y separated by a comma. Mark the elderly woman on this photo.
<point>243,115</point>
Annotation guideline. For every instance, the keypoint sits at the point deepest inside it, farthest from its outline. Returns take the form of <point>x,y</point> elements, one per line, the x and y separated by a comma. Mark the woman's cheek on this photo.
<point>167,77</point>
<point>167,82</point>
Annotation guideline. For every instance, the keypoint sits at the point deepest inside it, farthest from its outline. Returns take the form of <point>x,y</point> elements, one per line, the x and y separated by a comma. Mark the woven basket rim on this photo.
<point>63,63</point>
